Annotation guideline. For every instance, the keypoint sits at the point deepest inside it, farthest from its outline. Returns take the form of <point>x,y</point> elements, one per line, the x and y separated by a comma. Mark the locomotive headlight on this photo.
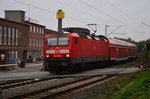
<point>67,55</point>
<point>47,56</point>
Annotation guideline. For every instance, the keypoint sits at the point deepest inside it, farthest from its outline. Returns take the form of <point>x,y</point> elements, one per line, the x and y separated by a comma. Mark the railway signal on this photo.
<point>60,15</point>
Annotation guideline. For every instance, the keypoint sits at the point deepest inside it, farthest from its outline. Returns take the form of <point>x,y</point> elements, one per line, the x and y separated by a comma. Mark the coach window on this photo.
<point>76,41</point>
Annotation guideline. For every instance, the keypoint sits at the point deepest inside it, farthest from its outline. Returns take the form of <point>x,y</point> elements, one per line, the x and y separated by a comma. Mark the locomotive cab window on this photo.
<point>55,41</point>
<point>63,41</point>
<point>52,41</point>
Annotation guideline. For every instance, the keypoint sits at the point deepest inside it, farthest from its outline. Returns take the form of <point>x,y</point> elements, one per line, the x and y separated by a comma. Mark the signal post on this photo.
<point>60,15</point>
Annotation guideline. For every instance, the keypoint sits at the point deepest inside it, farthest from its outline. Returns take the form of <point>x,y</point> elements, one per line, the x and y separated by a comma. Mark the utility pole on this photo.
<point>60,15</point>
<point>106,29</point>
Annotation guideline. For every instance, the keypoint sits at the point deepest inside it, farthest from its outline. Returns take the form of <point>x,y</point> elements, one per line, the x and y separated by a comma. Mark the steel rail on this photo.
<point>64,88</point>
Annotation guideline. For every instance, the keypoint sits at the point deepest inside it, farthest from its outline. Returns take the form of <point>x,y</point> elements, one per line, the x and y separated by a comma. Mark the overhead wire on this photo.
<point>121,11</point>
<point>131,17</point>
<point>82,12</point>
<point>104,13</point>
<point>34,6</point>
<point>49,11</point>
<point>81,21</point>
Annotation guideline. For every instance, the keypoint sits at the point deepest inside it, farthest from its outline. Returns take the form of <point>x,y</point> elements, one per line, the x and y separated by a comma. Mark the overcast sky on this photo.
<point>125,18</point>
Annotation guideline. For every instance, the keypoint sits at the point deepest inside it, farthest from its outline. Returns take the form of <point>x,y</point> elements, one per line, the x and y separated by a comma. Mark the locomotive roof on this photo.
<point>77,30</point>
<point>120,42</point>
<point>99,37</point>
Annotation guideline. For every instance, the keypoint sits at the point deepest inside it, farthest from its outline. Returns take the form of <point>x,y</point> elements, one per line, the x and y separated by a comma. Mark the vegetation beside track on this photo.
<point>130,86</point>
<point>138,88</point>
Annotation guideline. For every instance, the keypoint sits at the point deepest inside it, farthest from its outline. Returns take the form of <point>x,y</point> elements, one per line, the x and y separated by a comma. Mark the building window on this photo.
<point>42,42</point>
<point>39,42</point>
<point>17,35</point>
<point>41,53</point>
<point>30,42</point>
<point>16,52</point>
<point>42,31</point>
<point>9,36</point>
<point>37,30</point>
<point>30,28</point>
<point>13,36</point>
<point>34,29</point>
<point>34,42</point>
<point>0,35</point>
<point>5,35</point>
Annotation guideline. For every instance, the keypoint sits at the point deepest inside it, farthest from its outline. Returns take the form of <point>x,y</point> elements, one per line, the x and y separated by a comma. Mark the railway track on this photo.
<point>20,82</point>
<point>14,88</point>
<point>131,63</point>
<point>56,90</point>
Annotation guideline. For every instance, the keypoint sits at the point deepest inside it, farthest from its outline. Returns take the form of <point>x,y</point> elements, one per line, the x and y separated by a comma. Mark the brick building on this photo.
<point>36,37</point>
<point>20,39</point>
<point>13,39</point>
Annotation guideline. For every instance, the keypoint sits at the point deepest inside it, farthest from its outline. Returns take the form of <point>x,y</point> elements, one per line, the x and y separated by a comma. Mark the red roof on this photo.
<point>120,42</point>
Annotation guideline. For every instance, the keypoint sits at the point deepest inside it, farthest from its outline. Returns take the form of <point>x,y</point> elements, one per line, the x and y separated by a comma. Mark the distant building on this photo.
<point>36,39</point>
<point>48,31</point>
<point>13,41</point>
<point>19,38</point>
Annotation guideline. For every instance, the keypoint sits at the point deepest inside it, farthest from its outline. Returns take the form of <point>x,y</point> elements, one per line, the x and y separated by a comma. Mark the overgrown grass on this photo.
<point>137,88</point>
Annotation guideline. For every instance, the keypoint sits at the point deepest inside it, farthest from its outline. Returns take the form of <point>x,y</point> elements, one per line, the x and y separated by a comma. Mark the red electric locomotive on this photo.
<point>70,51</point>
<point>65,52</point>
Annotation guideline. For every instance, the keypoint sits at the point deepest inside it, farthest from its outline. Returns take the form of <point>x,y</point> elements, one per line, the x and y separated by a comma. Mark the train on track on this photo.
<point>71,50</point>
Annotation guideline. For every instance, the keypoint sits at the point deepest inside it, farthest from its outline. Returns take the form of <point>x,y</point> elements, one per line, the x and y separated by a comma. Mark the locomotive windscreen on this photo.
<point>58,41</point>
